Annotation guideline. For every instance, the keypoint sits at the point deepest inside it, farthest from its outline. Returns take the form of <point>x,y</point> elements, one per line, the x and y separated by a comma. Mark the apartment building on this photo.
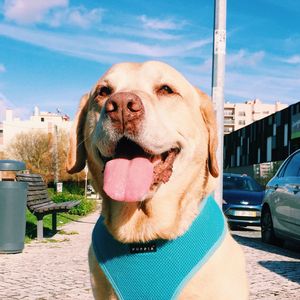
<point>270,139</point>
<point>238,115</point>
<point>39,121</point>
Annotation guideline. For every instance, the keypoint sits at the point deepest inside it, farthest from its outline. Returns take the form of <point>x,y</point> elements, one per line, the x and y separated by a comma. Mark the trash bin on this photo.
<point>13,196</point>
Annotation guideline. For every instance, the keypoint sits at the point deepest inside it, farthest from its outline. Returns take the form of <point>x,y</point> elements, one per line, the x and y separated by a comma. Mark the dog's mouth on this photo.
<point>134,171</point>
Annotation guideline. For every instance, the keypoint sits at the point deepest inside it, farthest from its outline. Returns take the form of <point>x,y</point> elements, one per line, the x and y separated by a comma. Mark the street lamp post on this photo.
<point>219,53</point>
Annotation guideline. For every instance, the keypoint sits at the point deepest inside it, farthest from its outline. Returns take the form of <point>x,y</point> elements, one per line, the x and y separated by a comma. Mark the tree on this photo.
<point>36,150</point>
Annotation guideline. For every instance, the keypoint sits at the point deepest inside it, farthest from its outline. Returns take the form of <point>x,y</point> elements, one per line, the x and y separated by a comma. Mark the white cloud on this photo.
<point>2,108</point>
<point>159,24</point>
<point>2,68</point>
<point>51,12</point>
<point>84,18</point>
<point>75,16</point>
<point>30,11</point>
<point>268,84</point>
<point>4,104</point>
<point>18,111</point>
<point>294,60</point>
<point>90,46</point>
<point>134,31</point>
<point>268,88</point>
<point>244,58</point>
<point>205,67</point>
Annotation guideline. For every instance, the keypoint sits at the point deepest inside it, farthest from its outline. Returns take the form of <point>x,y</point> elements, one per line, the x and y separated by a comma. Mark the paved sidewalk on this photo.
<point>274,272</point>
<point>59,270</point>
<point>50,270</point>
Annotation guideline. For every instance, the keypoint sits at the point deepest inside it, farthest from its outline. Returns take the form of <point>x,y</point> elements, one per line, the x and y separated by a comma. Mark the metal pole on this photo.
<point>86,170</point>
<point>219,53</point>
<point>55,154</point>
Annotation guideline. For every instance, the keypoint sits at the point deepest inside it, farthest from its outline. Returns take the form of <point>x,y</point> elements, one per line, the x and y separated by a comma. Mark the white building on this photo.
<point>238,115</point>
<point>39,121</point>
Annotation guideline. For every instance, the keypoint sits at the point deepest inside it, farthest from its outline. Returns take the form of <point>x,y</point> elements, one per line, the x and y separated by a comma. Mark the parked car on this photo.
<point>242,200</point>
<point>281,205</point>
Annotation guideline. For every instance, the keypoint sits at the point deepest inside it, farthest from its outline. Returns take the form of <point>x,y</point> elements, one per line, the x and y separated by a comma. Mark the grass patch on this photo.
<point>63,232</point>
<point>53,241</point>
<point>85,207</point>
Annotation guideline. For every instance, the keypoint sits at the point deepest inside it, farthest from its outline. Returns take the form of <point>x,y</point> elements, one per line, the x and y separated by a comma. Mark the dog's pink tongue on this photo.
<point>128,180</point>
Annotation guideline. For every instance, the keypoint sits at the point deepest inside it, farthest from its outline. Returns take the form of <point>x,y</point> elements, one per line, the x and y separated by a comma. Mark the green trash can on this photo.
<point>13,196</point>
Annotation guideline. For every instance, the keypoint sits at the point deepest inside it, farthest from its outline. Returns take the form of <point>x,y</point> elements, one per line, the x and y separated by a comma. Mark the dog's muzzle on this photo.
<point>126,111</point>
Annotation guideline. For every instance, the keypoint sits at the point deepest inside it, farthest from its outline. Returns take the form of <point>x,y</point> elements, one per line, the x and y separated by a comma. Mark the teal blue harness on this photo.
<point>159,270</point>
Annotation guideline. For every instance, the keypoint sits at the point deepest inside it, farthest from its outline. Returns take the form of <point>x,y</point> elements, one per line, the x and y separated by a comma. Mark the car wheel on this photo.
<point>267,229</point>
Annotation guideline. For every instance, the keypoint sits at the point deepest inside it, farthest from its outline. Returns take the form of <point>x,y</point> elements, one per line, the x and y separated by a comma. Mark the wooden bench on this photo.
<point>39,203</point>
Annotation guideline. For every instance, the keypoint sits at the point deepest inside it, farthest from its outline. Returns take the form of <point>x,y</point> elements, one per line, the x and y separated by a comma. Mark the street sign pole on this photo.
<point>218,71</point>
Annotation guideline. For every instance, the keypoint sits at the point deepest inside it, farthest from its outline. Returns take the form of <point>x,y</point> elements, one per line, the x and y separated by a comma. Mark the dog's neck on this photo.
<point>158,218</point>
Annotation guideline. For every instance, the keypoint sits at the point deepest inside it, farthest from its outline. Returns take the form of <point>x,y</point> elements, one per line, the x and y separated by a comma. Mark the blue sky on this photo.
<point>53,51</point>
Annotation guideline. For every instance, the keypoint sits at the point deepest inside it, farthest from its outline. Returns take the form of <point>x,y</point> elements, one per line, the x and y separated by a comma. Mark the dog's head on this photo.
<point>149,138</point>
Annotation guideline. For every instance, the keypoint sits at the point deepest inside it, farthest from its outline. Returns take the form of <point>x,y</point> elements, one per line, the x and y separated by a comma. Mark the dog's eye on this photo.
<point>165,89</point>
<point>104,91</point>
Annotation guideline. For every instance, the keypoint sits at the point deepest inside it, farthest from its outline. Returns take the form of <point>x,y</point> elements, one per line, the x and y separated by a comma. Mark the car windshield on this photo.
<point>241,183</point>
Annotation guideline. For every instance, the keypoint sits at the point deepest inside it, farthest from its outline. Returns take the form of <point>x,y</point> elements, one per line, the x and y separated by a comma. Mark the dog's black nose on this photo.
<point>125,110</point>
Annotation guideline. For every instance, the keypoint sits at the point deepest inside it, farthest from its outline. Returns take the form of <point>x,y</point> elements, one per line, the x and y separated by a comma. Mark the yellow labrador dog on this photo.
<point>149,138</point>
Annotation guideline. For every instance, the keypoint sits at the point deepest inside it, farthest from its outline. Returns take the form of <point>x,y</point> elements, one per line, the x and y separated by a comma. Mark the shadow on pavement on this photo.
<point>31,228</point>
<point>287,269</point>
<point>77,221</point>
<point>31,231</point>
<point>288,249</point>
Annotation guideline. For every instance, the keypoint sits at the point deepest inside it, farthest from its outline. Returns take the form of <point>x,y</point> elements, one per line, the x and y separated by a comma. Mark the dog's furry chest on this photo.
<point>159,269</point>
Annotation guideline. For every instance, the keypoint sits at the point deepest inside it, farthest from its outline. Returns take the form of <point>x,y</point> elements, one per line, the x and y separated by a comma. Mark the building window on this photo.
<point>285,137</point>
<point>238,156</point>
<point>274,142</point>
<point>242,114</point>
<point>269,148</point>
<point>228,129</point>
<point>232,160</point>
<point>278,119</point>
<point>248,143</point>
<point>228,112</point>
<point>242,122</point>
<point>42,119</point>
<point>229,121</point>
<point>270,120</point>
<point>274,129</point>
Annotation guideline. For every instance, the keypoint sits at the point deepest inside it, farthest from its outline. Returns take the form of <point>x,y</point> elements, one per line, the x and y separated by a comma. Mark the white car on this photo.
<point>280,219</point>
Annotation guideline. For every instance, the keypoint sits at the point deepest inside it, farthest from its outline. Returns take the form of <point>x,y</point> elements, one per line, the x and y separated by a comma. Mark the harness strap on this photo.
<point>159,270</point>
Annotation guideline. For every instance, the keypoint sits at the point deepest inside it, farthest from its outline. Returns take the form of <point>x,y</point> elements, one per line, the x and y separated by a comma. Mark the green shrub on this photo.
<point>86,206</point>
<point>69,188</point>
<point>51,192</point>
<point>73,188</point>
<point>65,196</point>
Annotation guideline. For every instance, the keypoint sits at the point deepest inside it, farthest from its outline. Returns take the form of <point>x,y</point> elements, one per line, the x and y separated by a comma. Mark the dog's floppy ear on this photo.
<point>209,117</point>
<point>77,154</point>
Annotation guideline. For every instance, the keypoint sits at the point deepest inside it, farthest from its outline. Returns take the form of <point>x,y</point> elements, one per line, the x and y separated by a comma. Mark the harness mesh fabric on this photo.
<point>159,275</point>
